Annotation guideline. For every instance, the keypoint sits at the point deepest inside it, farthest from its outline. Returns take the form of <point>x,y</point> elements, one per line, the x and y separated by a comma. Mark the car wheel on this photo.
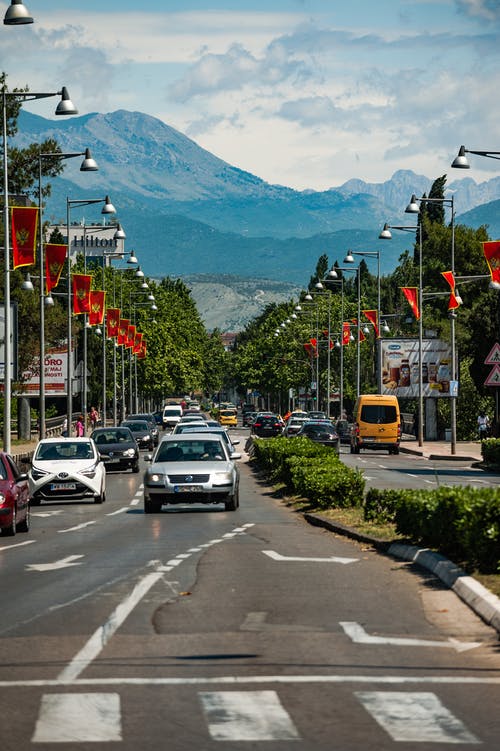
<point>395,450</point>
<point>100,498</point>
<point>11,529</point>
<point>151,507</point>
<point>233,503</point>
<point>35,501</point>
<point>24,525</point>
<point>135,467</point>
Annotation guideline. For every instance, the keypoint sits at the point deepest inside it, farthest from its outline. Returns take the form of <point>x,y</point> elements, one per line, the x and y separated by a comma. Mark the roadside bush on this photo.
<point>273,453</point>
<point>490,451</point>
<point>327,482</point>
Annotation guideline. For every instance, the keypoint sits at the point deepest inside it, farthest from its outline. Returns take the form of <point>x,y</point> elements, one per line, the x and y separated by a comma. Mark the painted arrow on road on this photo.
<point>62,563</point>
<point>332,559</point>
<point>357,633</point>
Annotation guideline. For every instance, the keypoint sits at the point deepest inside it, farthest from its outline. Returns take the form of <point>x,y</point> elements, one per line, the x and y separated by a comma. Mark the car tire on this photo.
<point>151,507</point>
<point>24,525</point>
<point>100,498</point>
<point>233,503</point>
<point>11,529</point>
<point>135,467</point>
<point>35,501</point>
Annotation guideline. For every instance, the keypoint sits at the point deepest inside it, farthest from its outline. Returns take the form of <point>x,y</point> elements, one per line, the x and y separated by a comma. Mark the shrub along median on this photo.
<point>461,522</point>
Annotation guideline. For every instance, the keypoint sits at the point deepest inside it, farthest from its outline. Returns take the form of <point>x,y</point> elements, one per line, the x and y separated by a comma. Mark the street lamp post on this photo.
<point>358,343</point>
<point>88,165</point>
<point>461,161</point>
<point>65,107</point>
<point>386,235</point>
<point>333,279</point>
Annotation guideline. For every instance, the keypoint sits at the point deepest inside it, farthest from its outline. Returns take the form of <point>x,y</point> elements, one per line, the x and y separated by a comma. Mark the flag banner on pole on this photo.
<point>308,348</point>
<point>314,345</point>
<point>491,252</point>
<point>372,316</point>
<point>361,334</point>
<point>97,299</point>
<point>453,303</point>
<point>55,258</point>
<point>142,354</point>
<point>411,294</point>
<point>346,333</point>
<point>81,293</point>
<point>24,222</point>
<point>130,337</point>
<point>137,343</point>
<point>123,330</point>
<point>112,322</point>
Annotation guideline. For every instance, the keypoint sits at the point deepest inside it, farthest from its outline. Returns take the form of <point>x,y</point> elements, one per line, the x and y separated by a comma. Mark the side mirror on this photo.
<point>148,457</point>
<point>22,477</point>
<point>235,441</point>
<point>235,455</point>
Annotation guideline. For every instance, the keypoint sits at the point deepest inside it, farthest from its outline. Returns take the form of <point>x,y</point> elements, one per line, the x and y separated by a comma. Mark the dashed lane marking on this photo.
<point>17,545</point>
<point>247,716</point>
<point>78,527</point>
<point>357,633</point>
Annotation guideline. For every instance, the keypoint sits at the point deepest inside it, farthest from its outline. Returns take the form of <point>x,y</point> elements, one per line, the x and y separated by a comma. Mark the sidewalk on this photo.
<point>465,450</point>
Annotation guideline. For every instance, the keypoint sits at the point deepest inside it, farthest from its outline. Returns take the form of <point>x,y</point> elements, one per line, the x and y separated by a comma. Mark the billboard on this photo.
<point>56,364</point>
<point>400,368</point>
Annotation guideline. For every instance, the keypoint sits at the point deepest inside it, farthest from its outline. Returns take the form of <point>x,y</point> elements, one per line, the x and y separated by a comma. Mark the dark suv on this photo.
<point>266,426</point>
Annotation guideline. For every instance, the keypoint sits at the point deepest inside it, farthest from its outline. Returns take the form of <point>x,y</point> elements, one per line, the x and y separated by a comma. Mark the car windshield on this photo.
<point>111,436</point>
<point>137,427</point>
<point>190,451</point>
<point>318,429</point>
<point>64,450</point>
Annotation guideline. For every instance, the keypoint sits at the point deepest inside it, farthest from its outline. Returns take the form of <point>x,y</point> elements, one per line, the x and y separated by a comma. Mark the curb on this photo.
<point>483,602</point>
<point>434,457</point>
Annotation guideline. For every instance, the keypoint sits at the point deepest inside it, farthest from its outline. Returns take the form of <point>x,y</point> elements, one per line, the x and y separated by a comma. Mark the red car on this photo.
<point>14,497</point>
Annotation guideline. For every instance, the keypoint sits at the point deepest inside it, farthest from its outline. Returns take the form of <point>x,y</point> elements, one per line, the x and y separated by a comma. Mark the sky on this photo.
<point>302,93</point>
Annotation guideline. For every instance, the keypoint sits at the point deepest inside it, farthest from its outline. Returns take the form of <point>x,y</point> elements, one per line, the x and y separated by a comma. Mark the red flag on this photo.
<point>130,338</point>
<point>81,293</point>
<point>137,343</point>
<point>491,252</point>
<point>143,352</point>
<point>96,315</point>
<point>123,330</point>
<point>308,348</point>
<point>372,316</point>
<point>450,278</point>
<point>24,221</point>
<point>112,322</point>
<point>346,333</point>
<point>411,294</point>
<point>55,258</point>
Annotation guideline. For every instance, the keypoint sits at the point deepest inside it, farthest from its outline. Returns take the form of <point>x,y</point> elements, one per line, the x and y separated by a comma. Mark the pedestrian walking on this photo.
<point>483,425</point>
<point>64,431</point>
<point>80,427</point>
<point>94,417</point>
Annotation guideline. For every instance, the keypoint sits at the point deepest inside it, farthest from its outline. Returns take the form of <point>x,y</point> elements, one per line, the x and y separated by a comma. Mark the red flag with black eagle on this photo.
<point>24,222</point>
<point>81,293</point>
<point>346,333</point>
<point>137,343</point>
<point>453,303</point>
<point>411,294</point>
<point>55,258</point>
<point>491,252</point>
<point>123,330</point>
<point>112,322</point>
<point>130,338</point>
<point>97,299</point>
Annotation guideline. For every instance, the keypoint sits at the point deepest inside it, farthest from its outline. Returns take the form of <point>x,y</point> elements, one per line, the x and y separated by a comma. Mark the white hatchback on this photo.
<point>66,469</point>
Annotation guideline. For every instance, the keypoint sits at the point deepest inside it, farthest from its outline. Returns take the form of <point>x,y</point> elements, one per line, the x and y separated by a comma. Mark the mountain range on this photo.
<point>186,212</point>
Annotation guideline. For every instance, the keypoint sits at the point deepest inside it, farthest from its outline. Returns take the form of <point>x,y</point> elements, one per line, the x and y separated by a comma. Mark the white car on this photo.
<point>66,469</point>
<point>191,468</point>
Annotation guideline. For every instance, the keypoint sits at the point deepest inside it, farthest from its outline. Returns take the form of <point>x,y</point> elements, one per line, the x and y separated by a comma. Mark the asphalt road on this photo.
<point>203,629</point>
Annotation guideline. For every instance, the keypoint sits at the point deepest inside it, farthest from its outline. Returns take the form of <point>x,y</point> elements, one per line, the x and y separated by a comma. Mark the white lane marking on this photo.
<point>431,482</point>
<point>174,562</point>
<point>121,510</point>
<point>247,716</point>
<point>382,466</point>
<point>183,556</point>
<point>415,717</point>
<point>410,475</point>
<point>78,526</point>
<point>194,550</point>
<point>78,718</point>
<point>135,501</point>
<point>357,633</point>
<point>62,563</point>
<point>332,559</point>
<point>103,634</point>
<point>45,514</point>
<point>236,680</point>
<point>18,545</point>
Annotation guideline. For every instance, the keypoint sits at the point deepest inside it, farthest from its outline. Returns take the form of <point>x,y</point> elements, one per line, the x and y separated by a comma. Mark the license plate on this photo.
<point>112,461</point>
<point>63,486</point>
<point>188,488</point>
<point>368,439</point>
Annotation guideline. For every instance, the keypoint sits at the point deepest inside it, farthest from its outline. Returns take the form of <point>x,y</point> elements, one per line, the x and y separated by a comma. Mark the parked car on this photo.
<point>320,431</point>
<point>191,469</point>
<point>293,425</point>
<point>14,497</point>
<point>66,469</point>
<point>117,448</point>
<point>266,426</point>
<point>141,430</point>
<point>151,419</point>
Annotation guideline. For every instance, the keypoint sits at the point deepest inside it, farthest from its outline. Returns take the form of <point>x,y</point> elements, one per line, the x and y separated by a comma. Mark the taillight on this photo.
<point>356,429</point>
<point>257,424</point>
<point>399,431</point>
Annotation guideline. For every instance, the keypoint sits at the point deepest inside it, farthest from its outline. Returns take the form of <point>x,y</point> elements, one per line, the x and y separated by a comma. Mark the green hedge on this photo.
<point>462,522</point>
<point>490,451</point>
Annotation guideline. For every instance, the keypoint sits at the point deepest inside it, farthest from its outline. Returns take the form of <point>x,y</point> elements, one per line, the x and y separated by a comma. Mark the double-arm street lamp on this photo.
<point>64,107</point>
<point>461,162</point>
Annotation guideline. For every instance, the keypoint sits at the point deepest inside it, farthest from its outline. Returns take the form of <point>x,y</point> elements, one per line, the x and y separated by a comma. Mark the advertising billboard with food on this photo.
<point>400,367</point>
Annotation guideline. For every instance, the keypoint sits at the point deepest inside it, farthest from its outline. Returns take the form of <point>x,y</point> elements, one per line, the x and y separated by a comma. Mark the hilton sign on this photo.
<point>97,240</point>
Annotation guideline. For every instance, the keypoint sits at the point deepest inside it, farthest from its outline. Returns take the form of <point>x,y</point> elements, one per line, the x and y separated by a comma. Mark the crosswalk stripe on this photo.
<point>415,717</point>
<point>74,718</point>
<point>247,716</point>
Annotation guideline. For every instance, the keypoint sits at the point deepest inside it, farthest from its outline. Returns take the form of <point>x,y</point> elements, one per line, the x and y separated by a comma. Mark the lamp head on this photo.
<point>154,307</point>
<point>308,297</point>
<point>139,273</point>
<point>298,308</point>
<point>27,284</point>
<point>89,164</point>
<point>17,14</point>
<point>349,257</point>
<point>120,235</point>
<point>413,207</point>
<point>66,106</point>
<point>332,273</point>
<point>385,327</point>
<point>319,286</point>
<point>386,233</point>
<point>49,301</point>
<point>494,285</point>
<point>108,207</point>
<point>460,160</point>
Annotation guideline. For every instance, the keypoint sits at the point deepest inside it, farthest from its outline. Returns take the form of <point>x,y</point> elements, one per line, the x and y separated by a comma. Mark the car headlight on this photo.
<point>146,437</point>
<point>222,478</point>
<point>129,452</point>
<point>2,499</point>
<point>89,472</point>
<point>37,474</point>
<point>155,478</point>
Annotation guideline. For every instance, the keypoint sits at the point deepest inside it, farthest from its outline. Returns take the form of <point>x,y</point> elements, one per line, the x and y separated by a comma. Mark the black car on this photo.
<point>117,448</point>
<point>343,428</point>
<point>141,430</point>
<point>151,419</point>
<point>248,418</point>
<point>320,431</point>
<point>266,426</point>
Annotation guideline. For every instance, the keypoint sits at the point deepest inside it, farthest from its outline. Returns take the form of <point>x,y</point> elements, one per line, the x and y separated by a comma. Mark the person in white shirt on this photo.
<point>483,425</point>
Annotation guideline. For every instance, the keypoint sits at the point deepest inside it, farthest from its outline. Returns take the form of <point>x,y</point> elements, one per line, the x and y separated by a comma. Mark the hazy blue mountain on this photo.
<point>187,212</point>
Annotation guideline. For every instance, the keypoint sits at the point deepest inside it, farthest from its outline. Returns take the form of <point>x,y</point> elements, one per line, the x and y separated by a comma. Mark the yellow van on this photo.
<point>376,423</point>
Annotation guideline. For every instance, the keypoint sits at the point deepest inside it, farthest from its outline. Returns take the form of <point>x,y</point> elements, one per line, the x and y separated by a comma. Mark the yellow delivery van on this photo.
<point>376,423</point>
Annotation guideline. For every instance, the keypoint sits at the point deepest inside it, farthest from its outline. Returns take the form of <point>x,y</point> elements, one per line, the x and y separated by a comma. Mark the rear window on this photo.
<point>171,412</point>
<point>376,414</point>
